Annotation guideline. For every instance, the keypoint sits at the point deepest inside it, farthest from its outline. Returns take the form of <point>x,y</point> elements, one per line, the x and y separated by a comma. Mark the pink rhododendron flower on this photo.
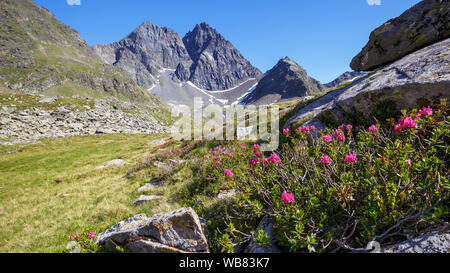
<point>255,146</point>
<point>304,129</point>
<point>342,127</point>
<point>253,162</point>
<point>349,127</point>
<point>207,157</point>
<point>230,155</point>
<point>228,172</point>
<point>426,111</point>
<point>312,128</point>
<point>339,135</point>
<point>287,198</point>
<point>243,154</point>
<point>91,235</point>
<point>74,236</point>
<point>408,161</point>
<point>351,158</point>
<point>218,163</point>
<point>327,138</point>
<point>405,123</point>
<point>285,131</point>
<point>257,154</point>
<point>373,128</point>
<point>325,159</point>
<point>272,158</point>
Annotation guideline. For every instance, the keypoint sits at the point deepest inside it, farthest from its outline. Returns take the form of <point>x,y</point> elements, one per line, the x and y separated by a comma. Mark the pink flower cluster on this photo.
<point>287,198</point>
<point>327,138</point>
<point>373,128</point>
<point>350,158</point>
<point>272,158</point>
<point>348,127</point>
<point>228,173</point>
<point>253,162</point>
<point>325,159</point>
<point>91,235</point>
<point>306,129</point>
<point>339,135</point>
<point>285,131</point>
<point>426,111</point>
<point>405,123</point>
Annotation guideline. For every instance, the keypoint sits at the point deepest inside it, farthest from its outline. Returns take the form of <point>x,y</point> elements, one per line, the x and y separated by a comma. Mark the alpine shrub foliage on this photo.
<point>340,189</point>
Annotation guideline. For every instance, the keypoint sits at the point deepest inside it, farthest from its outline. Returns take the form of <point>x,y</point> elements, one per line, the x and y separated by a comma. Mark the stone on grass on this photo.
<point>266,224</point>
<point>144,198</point>
<point>150,186</point>
<point>117,162</point>
<point>429,243</point>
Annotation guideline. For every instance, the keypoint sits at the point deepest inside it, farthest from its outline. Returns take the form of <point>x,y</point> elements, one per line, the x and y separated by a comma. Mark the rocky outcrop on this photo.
<point>424,24</point>
<point>345,77</point>
<point>145,51</point>
<point>430,243</point>
<point>217,64</point>
<point>286,80</point>
<point>418,79</point>
<point>177,231</point>
<point>107,116</point>
<point>266,225</point>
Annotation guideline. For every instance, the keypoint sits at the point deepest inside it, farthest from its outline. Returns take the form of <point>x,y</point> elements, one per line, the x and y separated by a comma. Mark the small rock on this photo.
<point>266,224</point>
<point>227,194</point>
<point>117,162</point>
<point>157,142</point>
<point>73,247</point>
<point>150,186</point>
<point>48,100</point>
<point>149,246</point>
<point>144,198</point>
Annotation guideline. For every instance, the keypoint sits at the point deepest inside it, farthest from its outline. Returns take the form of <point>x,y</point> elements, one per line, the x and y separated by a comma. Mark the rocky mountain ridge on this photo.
<point>286,80</point>
<point>176,69</point>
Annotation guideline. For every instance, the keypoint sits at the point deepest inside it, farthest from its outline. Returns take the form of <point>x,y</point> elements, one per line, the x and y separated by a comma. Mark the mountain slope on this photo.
<point>347,76</point>
<point>286,80</point>
<point>39,53</point>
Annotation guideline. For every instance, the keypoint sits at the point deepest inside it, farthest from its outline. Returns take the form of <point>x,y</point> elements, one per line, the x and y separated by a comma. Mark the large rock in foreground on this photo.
<point>177,231</point>
<point>429,243</point>
<point>418,79</point>
<point>424,24</point>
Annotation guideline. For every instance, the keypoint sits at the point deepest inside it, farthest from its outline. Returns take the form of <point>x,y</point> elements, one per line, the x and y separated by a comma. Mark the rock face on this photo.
<point>429,243</point>
<point>176,231</point>
<point>107,116</point>
<point>418,79</point>
<point>345,77</point>
<point>424,24</point>
<point>266,225</point>
<point>177,70</point>
<point>217,64</point>
<point>145,51</point>
<point>286,80</point>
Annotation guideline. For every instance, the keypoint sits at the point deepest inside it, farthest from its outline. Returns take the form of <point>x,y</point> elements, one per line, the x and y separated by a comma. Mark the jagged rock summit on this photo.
<point>202,64</point>
<point>422,25</point>
<point>217,64</point>
<point>345,77</point>
<point>286,80</point>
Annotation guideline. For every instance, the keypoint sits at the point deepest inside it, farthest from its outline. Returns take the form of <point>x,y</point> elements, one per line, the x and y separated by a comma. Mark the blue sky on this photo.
<point>320,35</point>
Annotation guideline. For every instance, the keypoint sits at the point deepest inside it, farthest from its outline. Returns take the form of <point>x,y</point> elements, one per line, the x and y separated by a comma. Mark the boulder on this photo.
<point>144,198</point>
<point>430,243</point>
<point>117,162</point>
<point>419,79</point>
<point>266,224</point>
<point>423,24</point>
<point>177,231</point>
<point>150,186</point>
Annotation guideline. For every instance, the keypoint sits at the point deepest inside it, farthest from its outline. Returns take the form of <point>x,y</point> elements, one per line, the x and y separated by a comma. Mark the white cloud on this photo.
<point>73,2</point>
<point>374,2</point>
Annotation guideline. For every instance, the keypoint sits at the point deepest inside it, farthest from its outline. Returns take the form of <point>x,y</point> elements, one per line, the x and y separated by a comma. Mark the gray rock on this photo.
<point>419,79</point>
<point>150,186</point>
<point>429,243</point>
<point>144,199</point>
<point>227,194</point>
<point>48,100</point>
<point>150,246</point>
<point>157,142</point>
<point>423,24</point>
<point>286,80</point>
<point>176,231</point>
<point>266,224</point>
<point>115,162</point>
<point>73,247</point>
